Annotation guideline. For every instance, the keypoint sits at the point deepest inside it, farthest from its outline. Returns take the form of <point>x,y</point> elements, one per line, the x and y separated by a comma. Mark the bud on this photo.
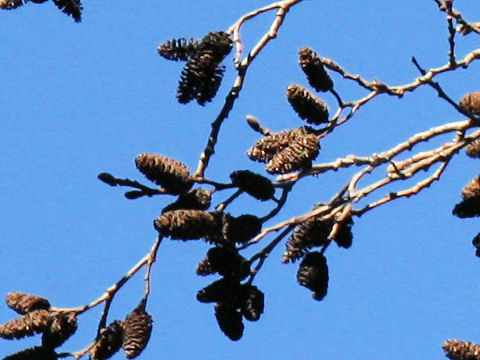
<point>108,179</point>
<point>313,68</point>
<point>35,353</point>
<point>23,303</point>
<point>313,274</point>
<point>471,102</point>
<point>187,224</point>
<point>229,320</point>
<point>166,172</point>
<point>108,342</point>
<point>252,303</point>
<point>178,49</point>
<point>461,350</point>
<point>32,323</point>
<point>253,184</point>
<point>137,329</point>
<point>61,327</point>
<point>309,107</point>
<point>252,121</point>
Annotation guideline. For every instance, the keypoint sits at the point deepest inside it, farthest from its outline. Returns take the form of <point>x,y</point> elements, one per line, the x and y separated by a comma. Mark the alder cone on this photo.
<point>471,102</point>
<point>253,184</point>
<point>108,342</point>
<point>228,263</point>
<point>308,107</point>
<point>218,42</point>
<point>23,303</point>
<point>10,4</point>
<point>472,189</point>
<point>204,267</point>
<point>137,329</point>
<point>476,244</point>
<point>313,68</point>
<point>35,353</point>
<point>242,228</point>
<point>166,172</point>
<point>229,320</point>
<point>473,149</point>
<point>227,291</point>
<point>29,324</point>
<point>253,303</point>
<point>310,233</point>
<point>61,327</point>
<point>195,199</point>
<point>467,208</point>
<point>179,49</point>
<point>187,224</point>
<point>461,350</point>
<point>72,8</point>
<point>313,274</point>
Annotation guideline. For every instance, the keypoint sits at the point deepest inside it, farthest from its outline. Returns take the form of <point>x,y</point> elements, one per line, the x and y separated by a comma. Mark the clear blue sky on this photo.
<point>80,99</point>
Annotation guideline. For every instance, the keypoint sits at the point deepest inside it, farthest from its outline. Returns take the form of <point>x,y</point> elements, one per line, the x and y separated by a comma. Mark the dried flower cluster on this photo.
<point>202,75</point>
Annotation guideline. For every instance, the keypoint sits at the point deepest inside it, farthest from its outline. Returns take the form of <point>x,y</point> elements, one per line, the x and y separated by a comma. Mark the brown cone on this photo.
<point>308,107</point>
<point>471,102</point>
<point>461,350</point>
<point>35,353</point>
<point>313,274</point>
<point>32,323</point>
<point>472,189</point>
<point>61,327</point>
<point>137,329</point>
<point>108,342</point>
<point>473,149</point>
<point>229,320</point>
<point>23,303</point>
<point>314,70</point>
<point>188,224</point>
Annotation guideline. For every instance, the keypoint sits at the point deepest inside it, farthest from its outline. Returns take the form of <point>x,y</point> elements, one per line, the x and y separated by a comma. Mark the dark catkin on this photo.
<point>310,233</point>
<point>188,224</point>
<point>72,8</point>
<point>195,199</point>
<point>471,102</point>
<point>313,274</point>
<point>461,350</point>
<point>179,49</point>
<point>308,107</point>
<point>473,149</point>
<point>252,303</point>
<point>166,172</point>
<point>29,324</point>
<point>35,353</point>
<point>229,320</point>
<point>23,303</point>
<point>10,4</point>
<point>228,263</point>
<point>240,229</point>
<point>137,329</point>
<point>313,68</point>
<point>109,341</point>
<point>225,291</point>
<point>60,328</point>
<point>253,184</point>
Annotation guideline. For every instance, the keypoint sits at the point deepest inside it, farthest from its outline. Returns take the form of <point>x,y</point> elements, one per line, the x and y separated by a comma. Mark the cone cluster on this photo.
<point>286,151</point>
<point>253,184</point>
<point>313,274</point>
<point>308,106</point>
<point>202,75</point>
<point>461,350</point>
<point>169,173</point>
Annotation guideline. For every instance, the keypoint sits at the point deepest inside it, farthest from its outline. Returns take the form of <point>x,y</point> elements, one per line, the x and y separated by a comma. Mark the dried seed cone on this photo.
<point>187,224</point>
<point>467,208</point>
<point>242,228</point>
<point>345,236</point>
<point>72,8</point>
<point>166,172</point>
<point>196,199</point>
<point>61,327</point>
<point>204,267</point>
<point>461,350</point>
<point>306,235</point>
<point>108,342</point>
<point>313,274</point>
<point>253,303</point>
<point>218,42</point>
<point>472,189</point>
<point>229,320</point>
<point>228,263</point>
<point>471,102</point>
<point>473,149</point>
<point>266,148</point>
<point>309,107</point>
<point>253,184</point>
<point>23,303</point>
<point>178,49</point>
<point>137,329</point>
<point>226,291</point>
<point>314,70</point>
<point>10,4</point>
<point>35,353</point>
<point>32,323</point>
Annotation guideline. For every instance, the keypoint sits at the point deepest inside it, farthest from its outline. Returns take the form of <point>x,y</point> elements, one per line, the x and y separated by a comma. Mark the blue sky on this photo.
<point>80,99</point>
